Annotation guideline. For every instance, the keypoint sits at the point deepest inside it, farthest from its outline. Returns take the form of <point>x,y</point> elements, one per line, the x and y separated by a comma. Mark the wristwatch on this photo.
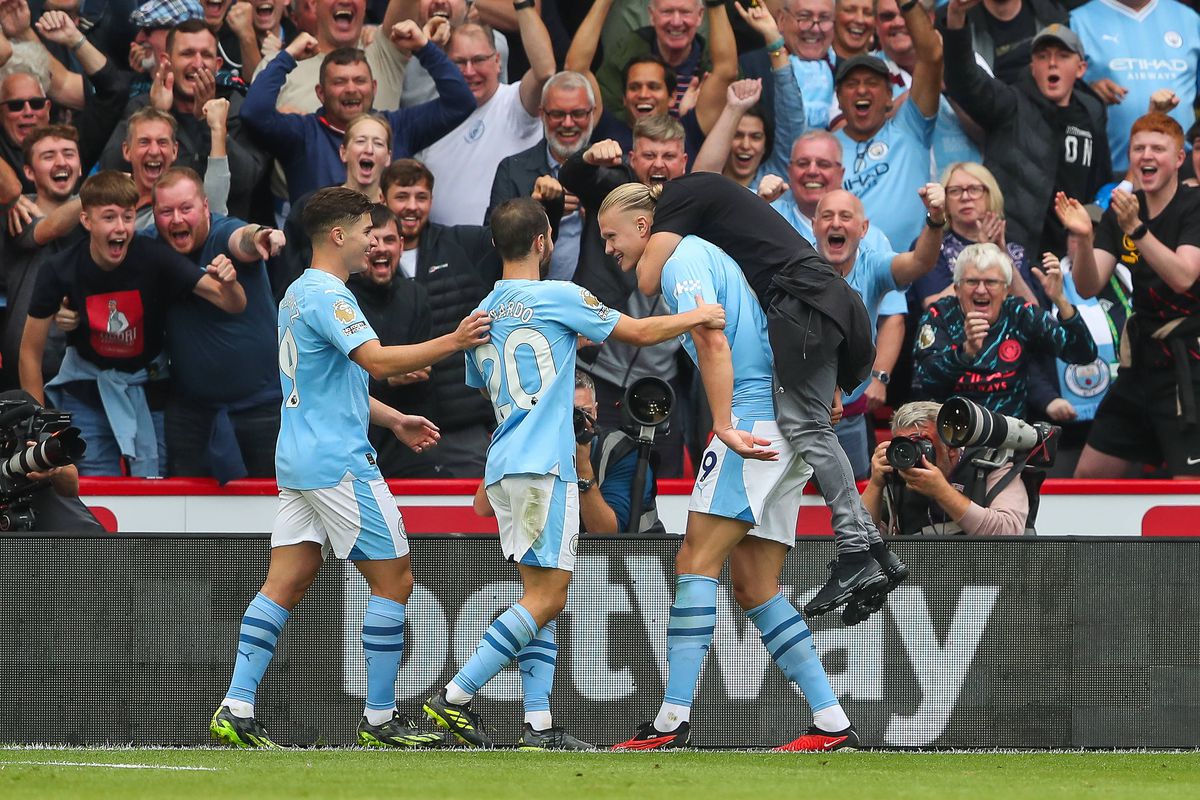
<point>585,484</point>
<point>935,225</point>
<point>881,376</point>
<point>906,7</point>
<point>521,5</point>
<point>1138,232</point>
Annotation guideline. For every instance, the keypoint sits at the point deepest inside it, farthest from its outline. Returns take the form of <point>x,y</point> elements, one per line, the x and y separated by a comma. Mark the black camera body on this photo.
<point>585,426</point>
<point>55,444</point>
<point>905,452</point>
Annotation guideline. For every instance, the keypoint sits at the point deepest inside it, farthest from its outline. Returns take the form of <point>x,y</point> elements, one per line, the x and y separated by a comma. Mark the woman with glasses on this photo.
<point>975,213</point>
<point>981,342</point>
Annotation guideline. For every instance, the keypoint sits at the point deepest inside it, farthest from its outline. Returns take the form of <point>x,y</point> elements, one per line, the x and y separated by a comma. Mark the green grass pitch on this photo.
<point>203,773</point>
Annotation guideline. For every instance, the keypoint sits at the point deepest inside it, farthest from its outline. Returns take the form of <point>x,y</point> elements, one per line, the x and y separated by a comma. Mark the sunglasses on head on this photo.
<point>18,104</point>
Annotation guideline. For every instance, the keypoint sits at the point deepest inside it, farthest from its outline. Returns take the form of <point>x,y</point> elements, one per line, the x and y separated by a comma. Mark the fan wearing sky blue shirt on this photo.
<point>527,370</point>
<point>840,226</point>
<point>746,500</point>
<point>1134,48</point>
<point>331,495</point>
<point>886,160</point>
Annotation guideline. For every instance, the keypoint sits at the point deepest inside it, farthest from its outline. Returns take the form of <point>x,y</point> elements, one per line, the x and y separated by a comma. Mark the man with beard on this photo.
<point>151,149</point>
<point>397,309</point>
<point>657,156</point>
<point>222,411</point>
<point>186,82</point>
<point>568,107</point>
<point>306,145</point>
<point>122,287</point>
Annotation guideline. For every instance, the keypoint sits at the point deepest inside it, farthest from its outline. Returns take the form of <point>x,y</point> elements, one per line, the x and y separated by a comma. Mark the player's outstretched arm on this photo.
<point>716,372</point>
<point>383,362</point>
<point>654,330</point>
<point>416,432</point>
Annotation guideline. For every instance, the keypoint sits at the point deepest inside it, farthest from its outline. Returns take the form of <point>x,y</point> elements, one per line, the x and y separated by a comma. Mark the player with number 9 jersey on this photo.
<point>528,371</point>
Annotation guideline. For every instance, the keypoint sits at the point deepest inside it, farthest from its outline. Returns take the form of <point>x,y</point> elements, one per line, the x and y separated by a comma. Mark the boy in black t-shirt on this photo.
<point>121,287</point>
<point>1149,414</point>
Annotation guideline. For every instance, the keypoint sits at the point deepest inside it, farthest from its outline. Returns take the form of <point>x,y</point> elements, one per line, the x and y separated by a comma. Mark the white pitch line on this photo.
<point>108,766</point>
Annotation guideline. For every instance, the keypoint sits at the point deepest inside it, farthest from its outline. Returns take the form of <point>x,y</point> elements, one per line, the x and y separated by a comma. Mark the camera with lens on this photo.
<point>648,405</point>
<point>963,423</point>
<point>55,443</point>
<point>585,426</point>
<point>905,452</point>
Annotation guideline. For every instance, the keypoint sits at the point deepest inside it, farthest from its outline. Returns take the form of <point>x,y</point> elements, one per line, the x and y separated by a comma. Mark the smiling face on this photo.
<point>477,60</point>
<point>339,22</point>
<point>749,146</point>
<point>181,215</point>
<point>357,240</point>
<point>807,28</point>
<point>110,229</point>
<point>657,162</point>
<point>267,14</point>
<point>567,121</point>
<point>54,168</point>
<point>384,256</point>
<point>366,155</point>
<point>411,206</point>
<point>191,52</point>
<point>214,12</point>
<point>453,10</point>
<point>981,290</point>
<point>1055,70</point>
<point>814,171</point>
<point>625,234</point>
<point>675,23</point>
<point>838,227</point>
<point>646,91</point>
<point>151,149</point>
<point>24,92</point>
<point>1156,157</point>
<point>346,91</point>
<point>864,96</point>
<point>894,37</point>
<point>853,26</point>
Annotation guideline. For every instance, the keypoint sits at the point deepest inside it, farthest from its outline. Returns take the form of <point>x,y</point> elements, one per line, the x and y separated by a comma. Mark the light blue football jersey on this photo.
<point>528,371</point>
<point>886,170</point>
<point>700,268</point>
<point>1155,48</point>
<point>872,278</point>
<point>816,86</point>
<point>326,405</point>
<point>787,208</point>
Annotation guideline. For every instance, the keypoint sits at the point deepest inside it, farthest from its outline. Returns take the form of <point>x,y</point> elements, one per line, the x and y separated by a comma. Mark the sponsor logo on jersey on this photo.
<point>691,286</point>
<point>343,311</point>
<point>353,328</point>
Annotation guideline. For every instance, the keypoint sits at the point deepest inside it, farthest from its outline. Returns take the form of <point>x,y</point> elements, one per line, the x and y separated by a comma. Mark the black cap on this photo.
<point>865,62</point>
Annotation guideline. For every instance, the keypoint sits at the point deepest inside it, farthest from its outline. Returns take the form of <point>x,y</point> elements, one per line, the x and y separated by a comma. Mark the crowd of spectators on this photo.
<point>1009,185</point>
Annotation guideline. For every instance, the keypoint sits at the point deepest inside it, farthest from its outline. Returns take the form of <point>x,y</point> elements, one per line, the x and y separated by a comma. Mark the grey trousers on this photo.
<point>802,414</point>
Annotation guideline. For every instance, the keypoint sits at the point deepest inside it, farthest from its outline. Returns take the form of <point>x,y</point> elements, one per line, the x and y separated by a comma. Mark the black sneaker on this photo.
<point>851,574</point>
<point>400,731</point>
<point>816,740</point>
<point>649,738</point>
<point>862,606</point>
<point>244,732</point>
<point>550,739</point>
<point>461,721</point>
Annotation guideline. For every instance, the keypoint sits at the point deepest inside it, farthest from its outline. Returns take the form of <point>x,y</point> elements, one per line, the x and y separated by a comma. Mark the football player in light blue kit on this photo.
<point>331,495</point>
<point>743,510</point>
<point>527,370</point>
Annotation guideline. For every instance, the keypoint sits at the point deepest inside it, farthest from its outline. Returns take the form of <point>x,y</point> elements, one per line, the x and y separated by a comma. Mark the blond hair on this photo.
<point>632,197</point>
<point>995,197</point>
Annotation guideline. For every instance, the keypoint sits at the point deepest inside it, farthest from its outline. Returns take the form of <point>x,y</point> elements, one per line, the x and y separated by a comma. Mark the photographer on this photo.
<point>606,460</point>
<point>54,504</point>
<point>924,499</point>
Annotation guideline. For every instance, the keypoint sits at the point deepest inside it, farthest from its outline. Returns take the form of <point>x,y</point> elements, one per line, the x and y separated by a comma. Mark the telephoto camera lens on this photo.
<point>649,401</point>
<point>963,423</point>
<point>60,449</point>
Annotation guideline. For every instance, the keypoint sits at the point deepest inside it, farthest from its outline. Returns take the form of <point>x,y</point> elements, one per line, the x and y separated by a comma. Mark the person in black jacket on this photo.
<point>1002,32</point>
<point>397,309</point>
<point>1045,134</point>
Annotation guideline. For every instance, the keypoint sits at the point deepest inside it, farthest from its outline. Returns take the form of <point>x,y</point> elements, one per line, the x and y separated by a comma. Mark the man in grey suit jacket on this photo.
<point>568,117</point>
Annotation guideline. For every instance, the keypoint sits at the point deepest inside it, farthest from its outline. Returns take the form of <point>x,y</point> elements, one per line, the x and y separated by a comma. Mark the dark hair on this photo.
<point>343,57</point>
<point>515,224</point>
<point>405,172</point>
<point>189,26</point>
<point>382,215</point>
<point>756,111</point>
<point>47,132</point>
<point>668,71</point>
<point>331,208</point>
<point>108,188</point>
